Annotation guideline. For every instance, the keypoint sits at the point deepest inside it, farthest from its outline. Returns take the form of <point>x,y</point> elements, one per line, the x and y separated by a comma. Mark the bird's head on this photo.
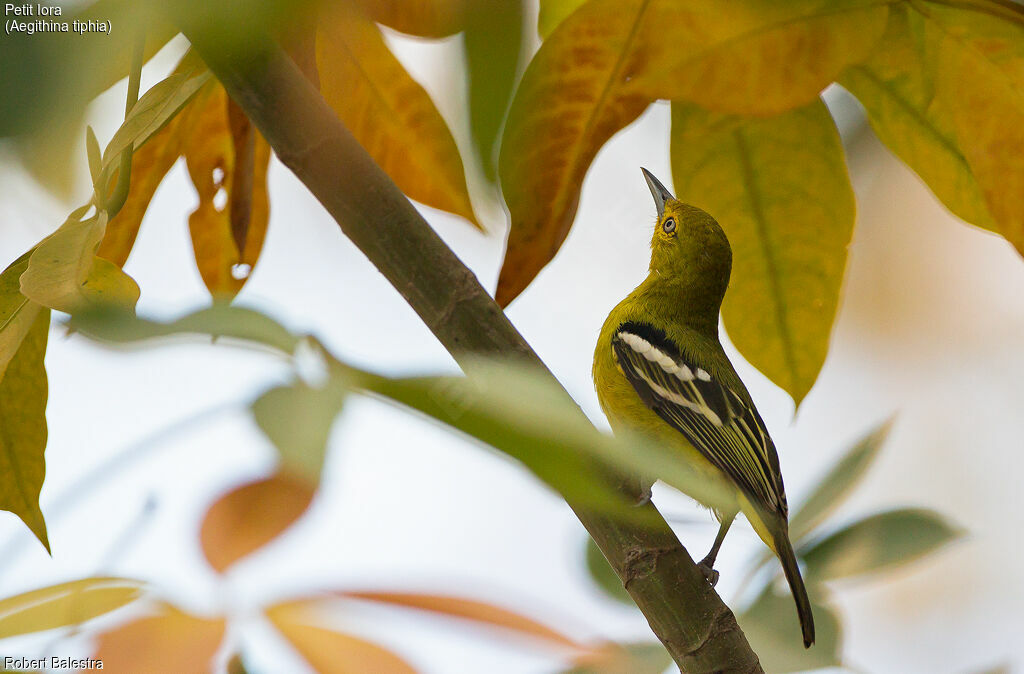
<point>688,244</point>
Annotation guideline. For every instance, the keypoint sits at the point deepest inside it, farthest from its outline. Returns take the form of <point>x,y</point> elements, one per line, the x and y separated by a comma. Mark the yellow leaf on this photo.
<point>331,652</point>
<point>17,313</point>
<point>780,189</point>
<point>979,76</point>
<point>389,113</point>
<point>554,12</point>
<point>470,609</point>
<point>608,60</point>
<point>210,156</point>
<point>23,391</point>
<point>65,604</point>
<point>64,273</point>
<point>897,90</point>
<point>171,642</point>
<point>425,18</point>
<point>754,57</point>
<point>248,517</point>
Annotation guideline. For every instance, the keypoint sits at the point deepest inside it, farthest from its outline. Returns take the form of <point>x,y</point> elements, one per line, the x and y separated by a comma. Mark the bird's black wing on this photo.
<point>713,417</point>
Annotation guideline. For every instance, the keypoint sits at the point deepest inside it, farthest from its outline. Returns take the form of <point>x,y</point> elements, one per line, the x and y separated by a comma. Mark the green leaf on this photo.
<point>219,320</point>
<point>554,12</point>
<point>23,391</point>
<point>637,658</point>
<point>64,273</point>
<point>877,543</point>
<point>92,150</point>
<point>298,420</point>
<point>895,86</point>
<point>838,483</point>
<point>65,604</point>
<point>523,413</point>
<point>493,43</point>
<point>773,630</point>
<point>780,189</point>
<point>603,575</point>
<point>154,110</point>
<point>17,312</point>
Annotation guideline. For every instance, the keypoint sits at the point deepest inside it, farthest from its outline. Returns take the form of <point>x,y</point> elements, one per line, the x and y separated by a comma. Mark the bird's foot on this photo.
<point>707,568</point>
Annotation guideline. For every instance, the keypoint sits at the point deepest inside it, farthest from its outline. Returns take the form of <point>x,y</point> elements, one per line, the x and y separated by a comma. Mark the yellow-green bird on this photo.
<point>660,369</point>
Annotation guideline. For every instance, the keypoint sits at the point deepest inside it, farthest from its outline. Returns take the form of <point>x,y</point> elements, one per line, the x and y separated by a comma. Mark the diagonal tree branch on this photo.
<point>689,617</point>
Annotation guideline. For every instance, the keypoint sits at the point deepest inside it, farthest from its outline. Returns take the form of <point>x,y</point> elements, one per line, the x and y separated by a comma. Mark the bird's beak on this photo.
<point>658,191</point>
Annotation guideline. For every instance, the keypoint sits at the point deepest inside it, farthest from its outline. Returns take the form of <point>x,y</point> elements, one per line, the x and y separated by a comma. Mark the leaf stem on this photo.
<point>124,171</point>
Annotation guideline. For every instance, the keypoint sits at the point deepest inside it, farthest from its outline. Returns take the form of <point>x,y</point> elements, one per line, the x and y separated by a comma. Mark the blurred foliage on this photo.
<point>874,544</point>
<point>65,604</point>
<point>751,142</point>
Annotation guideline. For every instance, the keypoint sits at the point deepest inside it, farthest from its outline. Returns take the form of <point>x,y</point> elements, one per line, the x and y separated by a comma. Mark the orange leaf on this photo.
<point>211,158</point>
<point>470,609</point>
<point>389,113</point>
<point>248,517</point>
<point>607,61</point>
<point>425,18</point>
<point>331,652</point>
<point>172,642</point>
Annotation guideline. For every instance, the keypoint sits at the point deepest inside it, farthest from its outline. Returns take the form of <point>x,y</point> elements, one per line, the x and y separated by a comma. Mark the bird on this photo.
<point>660,370</point>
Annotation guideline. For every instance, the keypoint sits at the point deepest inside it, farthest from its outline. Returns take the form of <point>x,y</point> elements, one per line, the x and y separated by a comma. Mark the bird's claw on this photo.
<point>709,572</point>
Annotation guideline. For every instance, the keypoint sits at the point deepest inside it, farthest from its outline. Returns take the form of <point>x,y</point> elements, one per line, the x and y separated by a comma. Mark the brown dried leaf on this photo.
<point>248,517</point>
<point>389,113</point>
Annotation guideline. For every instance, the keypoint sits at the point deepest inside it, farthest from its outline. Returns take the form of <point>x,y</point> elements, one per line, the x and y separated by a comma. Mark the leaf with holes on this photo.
<point>780,189</point>
<point>65,604</point>
<point>251,516</point>
<point>229,171</point>
<point>388,112</point>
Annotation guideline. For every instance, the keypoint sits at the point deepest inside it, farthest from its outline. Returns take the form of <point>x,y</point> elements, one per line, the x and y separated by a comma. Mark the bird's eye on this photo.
<point>669,225</point>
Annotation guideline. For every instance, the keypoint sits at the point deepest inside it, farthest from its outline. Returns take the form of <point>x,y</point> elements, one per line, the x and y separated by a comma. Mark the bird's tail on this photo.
<point>784,549</point>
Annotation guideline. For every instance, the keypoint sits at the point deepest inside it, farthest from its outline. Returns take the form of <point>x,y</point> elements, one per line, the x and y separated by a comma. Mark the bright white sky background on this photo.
<point>931,326</point>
